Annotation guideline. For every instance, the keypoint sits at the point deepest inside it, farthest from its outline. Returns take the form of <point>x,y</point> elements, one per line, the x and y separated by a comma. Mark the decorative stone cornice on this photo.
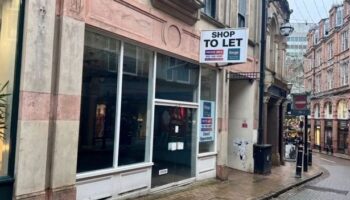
<point>185,10</point>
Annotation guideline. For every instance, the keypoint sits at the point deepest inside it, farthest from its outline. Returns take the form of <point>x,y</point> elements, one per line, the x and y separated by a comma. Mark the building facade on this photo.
<point>296,48</point>
<point>327,79</point>
<point>107,98</point>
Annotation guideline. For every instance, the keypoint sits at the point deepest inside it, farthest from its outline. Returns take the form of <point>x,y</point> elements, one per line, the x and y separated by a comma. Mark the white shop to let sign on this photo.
<point>224,46</point>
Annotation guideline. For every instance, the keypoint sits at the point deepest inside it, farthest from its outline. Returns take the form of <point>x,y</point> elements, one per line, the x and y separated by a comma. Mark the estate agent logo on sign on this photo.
<point>224,45</point>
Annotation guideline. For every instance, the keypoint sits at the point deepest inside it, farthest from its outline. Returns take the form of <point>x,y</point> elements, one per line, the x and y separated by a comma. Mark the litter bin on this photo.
<point>262,158</point>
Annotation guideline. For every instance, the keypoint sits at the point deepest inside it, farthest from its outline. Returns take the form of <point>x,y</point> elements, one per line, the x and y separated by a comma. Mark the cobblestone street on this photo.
<point>334,184</point>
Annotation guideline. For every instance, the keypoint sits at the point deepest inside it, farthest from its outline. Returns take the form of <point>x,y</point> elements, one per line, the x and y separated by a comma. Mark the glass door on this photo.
<point>174,144</point>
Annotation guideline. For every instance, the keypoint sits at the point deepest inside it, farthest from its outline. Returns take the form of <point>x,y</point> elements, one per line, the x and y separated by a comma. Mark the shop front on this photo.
<point>328,127</point>
<point>343,131</point>
<point>148,119</point>
<point>317,134</point>
<point>11,17</point>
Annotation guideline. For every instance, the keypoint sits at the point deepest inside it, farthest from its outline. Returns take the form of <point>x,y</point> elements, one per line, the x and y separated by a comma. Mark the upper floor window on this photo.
<point>344,40</point>
<point>317,111</point>
<point>242,12</point>
<point>309,84</point>
<point>318,83</point>
<point>210,8</point>
<point>328,110</point>
<point>330,79</point>
<point>344,74</point>
<point>317,36</point>
<point>330,50</point>
<point>326,27</point>
<point>339,16</point>
<point>342,109</point>
<point>318,57</point>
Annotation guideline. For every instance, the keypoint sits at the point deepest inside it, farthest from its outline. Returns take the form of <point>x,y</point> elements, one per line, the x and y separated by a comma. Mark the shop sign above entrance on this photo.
<point>224,46</point>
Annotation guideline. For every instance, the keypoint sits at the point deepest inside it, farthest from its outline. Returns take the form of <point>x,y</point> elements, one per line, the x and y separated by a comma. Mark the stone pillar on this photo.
<point>35,100</point>
<point>312,133</point>
<point>67,97</point>
<point>322,138</point>
<point>335,135</point>
<point>273,130</point>
<point>266,103</point>
<point>223,118</point>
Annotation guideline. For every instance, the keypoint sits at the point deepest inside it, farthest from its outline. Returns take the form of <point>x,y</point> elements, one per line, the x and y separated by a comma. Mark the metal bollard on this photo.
<point>299,164</point>
<point>310,157</point>
<point>306,160</point>
<point>331,150</point>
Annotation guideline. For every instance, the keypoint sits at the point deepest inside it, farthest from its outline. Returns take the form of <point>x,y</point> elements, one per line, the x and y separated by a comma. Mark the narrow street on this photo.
<point>333,184</point>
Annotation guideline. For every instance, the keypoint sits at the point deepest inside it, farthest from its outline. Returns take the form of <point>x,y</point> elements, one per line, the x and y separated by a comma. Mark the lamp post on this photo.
<point>262,152</point>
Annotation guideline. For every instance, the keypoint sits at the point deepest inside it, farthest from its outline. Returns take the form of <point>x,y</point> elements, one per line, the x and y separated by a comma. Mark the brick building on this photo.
<point>326,77</point>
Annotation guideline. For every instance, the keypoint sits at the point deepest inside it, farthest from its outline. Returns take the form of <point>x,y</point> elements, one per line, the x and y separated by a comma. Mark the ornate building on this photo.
<point>326,77</point>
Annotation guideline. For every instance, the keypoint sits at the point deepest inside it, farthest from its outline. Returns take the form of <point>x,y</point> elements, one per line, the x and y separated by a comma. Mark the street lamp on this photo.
<point>286,29</point>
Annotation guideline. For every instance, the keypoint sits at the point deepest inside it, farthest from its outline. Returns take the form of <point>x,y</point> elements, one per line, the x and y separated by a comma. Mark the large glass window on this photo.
<point>98,104</point>
<point>342,110</point>
<point>8,40</point>
<point>133,131</point>
<point>176,79</point>
<point>207,107</point>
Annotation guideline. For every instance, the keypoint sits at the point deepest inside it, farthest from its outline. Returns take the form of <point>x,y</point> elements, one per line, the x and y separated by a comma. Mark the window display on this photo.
<point>208,107</point>
<point>133,133</point>
<point>9,11</point>
<point>176,79</point>
<point>98,103</point>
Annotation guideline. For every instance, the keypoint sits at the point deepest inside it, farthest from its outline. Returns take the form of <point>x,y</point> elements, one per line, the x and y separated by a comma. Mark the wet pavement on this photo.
<point>240,185</point>
<point>333,185</point>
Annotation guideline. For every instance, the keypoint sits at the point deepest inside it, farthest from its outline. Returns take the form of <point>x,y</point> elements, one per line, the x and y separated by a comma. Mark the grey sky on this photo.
<point>311,11</point>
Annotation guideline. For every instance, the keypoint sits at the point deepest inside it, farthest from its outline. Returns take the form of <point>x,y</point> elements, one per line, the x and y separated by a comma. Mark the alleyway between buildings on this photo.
<point>241,185</point>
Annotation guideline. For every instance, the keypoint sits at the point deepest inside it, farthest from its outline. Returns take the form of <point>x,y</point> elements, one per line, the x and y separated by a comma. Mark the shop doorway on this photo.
<point>174,144</point>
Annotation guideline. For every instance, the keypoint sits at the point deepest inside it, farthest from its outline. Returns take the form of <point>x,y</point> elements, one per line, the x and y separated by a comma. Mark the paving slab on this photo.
<point>240,185</point>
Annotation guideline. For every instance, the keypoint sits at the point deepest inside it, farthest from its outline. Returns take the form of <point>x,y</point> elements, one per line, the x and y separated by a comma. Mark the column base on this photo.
<point>62,193</point>
<point>276,159</point>
<point>222,172</point>
<point>51,194</point>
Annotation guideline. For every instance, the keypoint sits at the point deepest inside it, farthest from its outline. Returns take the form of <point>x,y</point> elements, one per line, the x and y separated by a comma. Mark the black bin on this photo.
<point>262,158</point>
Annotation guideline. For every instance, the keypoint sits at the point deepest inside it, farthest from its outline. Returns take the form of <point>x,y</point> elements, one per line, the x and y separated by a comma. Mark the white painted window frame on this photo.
<point>152,102</point>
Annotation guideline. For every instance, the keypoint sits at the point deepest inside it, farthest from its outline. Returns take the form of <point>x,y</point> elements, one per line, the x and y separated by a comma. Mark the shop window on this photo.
<point>133,132</point>
<point>8,40</point>
<point>208,106</point>
<point>176,79</point>
<point>98,103</point>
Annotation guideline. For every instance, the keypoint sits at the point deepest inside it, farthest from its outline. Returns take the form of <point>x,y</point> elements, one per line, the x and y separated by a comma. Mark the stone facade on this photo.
<point>51,84</point>
<point>326,78</point>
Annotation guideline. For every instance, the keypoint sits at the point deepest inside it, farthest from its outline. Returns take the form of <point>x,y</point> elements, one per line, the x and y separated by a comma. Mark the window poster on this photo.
<point>206,132</point>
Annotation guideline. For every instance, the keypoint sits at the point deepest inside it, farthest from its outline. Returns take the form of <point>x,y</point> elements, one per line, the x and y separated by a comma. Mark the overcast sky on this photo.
<point>311,11</point>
